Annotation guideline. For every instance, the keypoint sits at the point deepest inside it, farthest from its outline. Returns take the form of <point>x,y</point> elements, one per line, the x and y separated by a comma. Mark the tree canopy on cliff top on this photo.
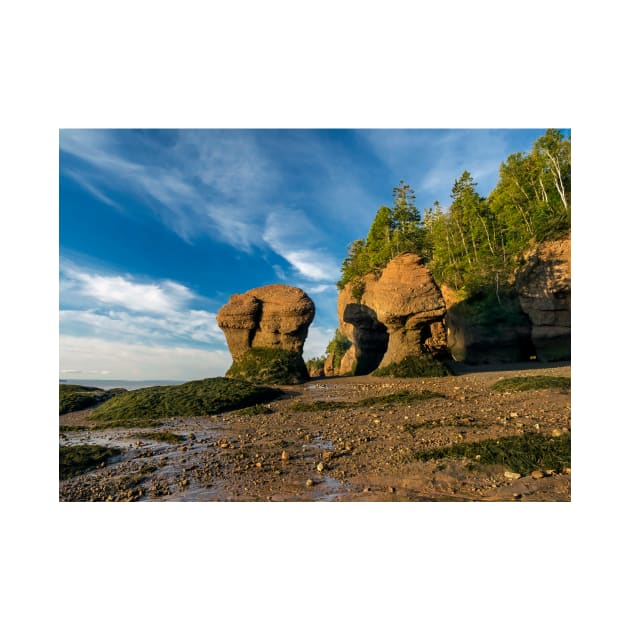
<point>475,244</point>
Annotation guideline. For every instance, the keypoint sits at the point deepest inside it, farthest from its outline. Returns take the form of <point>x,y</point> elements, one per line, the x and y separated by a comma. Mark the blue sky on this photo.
<point>158,228</point>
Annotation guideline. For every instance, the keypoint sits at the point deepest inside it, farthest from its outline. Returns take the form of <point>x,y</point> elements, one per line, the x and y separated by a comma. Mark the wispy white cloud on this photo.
<point>294,237</point>
<point>204,183</point>
<point>163,297</point>
<point>124,360</point>
<point>125,310</point>
<point>317,340</point>
<point>320,288</point>
<point>93,190</point>
<point>191,327</point>
<point>431,160</point>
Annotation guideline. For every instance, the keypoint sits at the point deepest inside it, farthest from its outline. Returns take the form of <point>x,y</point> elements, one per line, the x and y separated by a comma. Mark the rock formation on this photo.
<point>476,335</point>
<point>273,317</point>
<point>391,317</point>
<point>544,291</point>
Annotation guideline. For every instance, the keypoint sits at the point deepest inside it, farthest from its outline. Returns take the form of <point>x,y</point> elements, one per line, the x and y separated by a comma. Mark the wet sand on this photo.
<point>352,454</point>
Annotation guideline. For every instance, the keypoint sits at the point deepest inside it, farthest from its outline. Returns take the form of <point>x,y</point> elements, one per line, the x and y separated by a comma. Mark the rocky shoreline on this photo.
<point>355,453</point>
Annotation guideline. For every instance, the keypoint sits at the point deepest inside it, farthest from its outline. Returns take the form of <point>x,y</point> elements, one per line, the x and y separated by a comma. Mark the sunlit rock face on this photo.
<point>397,315</point>
<point>544,291</point>
<point>273,316</point>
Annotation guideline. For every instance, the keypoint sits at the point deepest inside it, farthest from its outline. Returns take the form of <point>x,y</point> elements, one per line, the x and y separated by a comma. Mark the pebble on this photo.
<point>285,456</point>
<point>320,467</point>
<point>513,414</point>
<point>508,474</point>
<point>556,433</point>
<point>538,474</point>
<point>366,489</point>
<point>391,490</point>
<point>309,483</point>
<point>258,464</point>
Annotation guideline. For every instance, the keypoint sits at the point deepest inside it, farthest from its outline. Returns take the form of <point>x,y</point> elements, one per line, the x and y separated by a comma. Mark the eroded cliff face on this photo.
<point>486,333</point>
<point>397,315</point>
<point>544,291</point>
<point>535,322</point>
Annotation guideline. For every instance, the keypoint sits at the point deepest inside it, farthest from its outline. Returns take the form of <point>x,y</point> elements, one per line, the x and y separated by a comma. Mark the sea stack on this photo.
<point>391,317</point>
<point>265,329</point>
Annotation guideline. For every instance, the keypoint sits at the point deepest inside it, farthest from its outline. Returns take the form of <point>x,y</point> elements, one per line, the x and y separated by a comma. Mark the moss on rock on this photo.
<point>74,460</point>
<point>414,367</point>
<point>195,398</point>
<point>78,397</point>
<point>270,365</point>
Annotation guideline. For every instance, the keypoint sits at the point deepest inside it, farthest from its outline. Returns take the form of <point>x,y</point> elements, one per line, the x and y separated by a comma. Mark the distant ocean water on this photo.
<point>110,384</point>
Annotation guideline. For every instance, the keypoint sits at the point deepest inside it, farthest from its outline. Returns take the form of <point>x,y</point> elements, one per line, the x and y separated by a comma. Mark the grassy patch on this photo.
<point>414,367</point>
<point>161,436</point>
<point>484,310</point>
<point>255,410</point>
<point>77,397</point>
<point>67,428</point>
<point>74,460</point>
<point>396,398</point>
<point>519,453</point>
<point>523,383</point>
<point>271,366</point>
<point>196,398</point>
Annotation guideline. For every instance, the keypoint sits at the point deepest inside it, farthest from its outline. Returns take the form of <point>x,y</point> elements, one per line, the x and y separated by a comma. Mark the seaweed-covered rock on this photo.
<point>273,366</point>
<point>272,317</point>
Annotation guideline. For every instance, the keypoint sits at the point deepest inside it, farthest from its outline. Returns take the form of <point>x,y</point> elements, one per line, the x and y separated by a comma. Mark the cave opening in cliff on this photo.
<point>369,335</point>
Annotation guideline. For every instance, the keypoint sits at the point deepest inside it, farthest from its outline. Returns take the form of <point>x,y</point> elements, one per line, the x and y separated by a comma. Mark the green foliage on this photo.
<point>413,367</point>
<point>519,453</point>
<point>483,309</point>
<point>270,365</point>
<point>524,383</point>
<point>358,289</point>
<point>394,231</point>
<point>69,428</point>
<point>78,397</point>
<point>475,244</point>
<point>255,410</point>
<point>338,346</point>
<point>195,398</point>
<point>74,460</point>
<point>316,363</point>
